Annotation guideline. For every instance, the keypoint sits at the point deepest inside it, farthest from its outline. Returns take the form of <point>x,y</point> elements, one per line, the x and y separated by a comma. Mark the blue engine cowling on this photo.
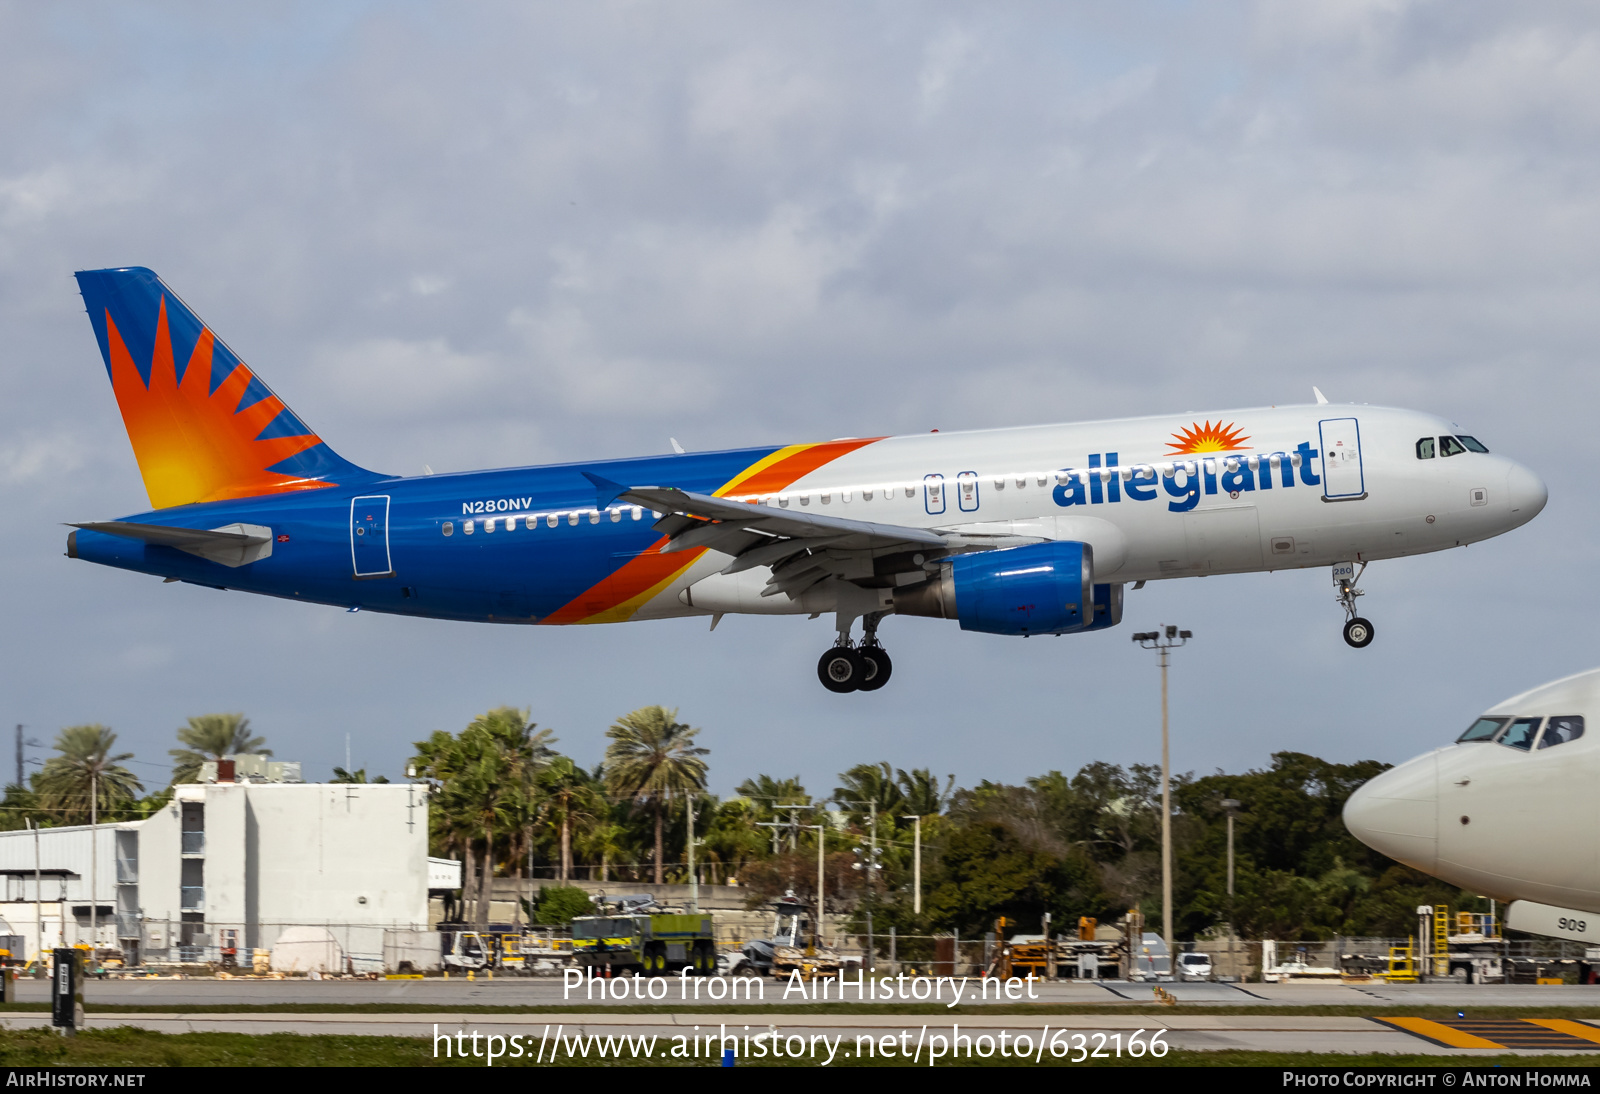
<point>1044,588</point>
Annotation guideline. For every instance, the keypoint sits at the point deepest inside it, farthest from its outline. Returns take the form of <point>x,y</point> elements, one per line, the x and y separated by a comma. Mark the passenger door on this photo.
<point>1342,476</point>
<point>369,536</point>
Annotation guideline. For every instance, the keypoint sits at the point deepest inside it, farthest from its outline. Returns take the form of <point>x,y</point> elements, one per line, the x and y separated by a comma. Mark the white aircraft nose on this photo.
<point>1396,814</point>
<point>1526,492</point>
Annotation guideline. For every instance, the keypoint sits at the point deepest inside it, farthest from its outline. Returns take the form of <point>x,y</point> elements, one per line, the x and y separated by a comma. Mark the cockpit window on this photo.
<point>1560,730</point>
<point>1472,443</point>
<point>1520,733</point>
<point>1482,730</point>
<point>1449,446</point>
<point>1425,448</point>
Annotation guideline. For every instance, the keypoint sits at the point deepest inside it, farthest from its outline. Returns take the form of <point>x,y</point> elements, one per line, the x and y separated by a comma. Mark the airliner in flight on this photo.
<point>1508,811</point>
<point>1023,531</point>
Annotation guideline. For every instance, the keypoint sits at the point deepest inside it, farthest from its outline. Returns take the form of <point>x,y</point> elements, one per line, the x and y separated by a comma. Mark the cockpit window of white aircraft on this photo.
<point>1483,729</point>
<point>1520,733</point>
<point>1425,448</point>
<point>1472,443</point>
<point>1449,446</point>
<point>1558,731</point>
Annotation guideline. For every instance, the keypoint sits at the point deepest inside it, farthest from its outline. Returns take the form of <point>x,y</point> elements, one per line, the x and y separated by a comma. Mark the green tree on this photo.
<point>86,781</point>
<point>867,783</point>
<point>483,782</point>
<point>652,757</point>
<point>572,800</point>
<point>731,840</point>
<point>211,737</point>
<point>766,792</point>
<point>920,792</point>
<point>558,905</point>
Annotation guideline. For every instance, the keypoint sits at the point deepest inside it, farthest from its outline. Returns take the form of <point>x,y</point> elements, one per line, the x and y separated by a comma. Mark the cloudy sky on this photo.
<point>485,235</point>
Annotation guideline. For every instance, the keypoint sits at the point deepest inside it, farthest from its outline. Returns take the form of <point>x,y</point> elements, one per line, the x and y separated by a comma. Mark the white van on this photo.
<point>1194,966</point>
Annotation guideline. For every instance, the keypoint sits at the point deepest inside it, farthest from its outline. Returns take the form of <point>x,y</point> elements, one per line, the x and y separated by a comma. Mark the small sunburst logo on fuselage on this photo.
<point>1208,438</point>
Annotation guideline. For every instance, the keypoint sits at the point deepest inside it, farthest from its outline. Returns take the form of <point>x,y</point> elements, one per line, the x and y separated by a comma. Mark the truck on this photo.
<point>645,943</point>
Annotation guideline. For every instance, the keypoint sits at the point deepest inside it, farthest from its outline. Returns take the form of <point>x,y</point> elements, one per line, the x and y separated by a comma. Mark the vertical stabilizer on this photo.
<point>203,425</point>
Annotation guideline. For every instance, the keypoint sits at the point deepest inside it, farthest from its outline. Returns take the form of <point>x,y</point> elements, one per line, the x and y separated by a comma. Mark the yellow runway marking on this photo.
<point>1572,1029</point>
<point>1439,1034</point>
<point>1550,1034</point>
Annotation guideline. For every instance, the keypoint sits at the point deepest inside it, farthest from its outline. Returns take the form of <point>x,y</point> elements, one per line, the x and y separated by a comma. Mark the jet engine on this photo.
<point>1044,588</point>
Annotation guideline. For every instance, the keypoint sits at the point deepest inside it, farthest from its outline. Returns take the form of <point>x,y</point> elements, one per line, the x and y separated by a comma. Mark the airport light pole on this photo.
<point>916,865</point>
<point>822,844</point>
<point>1164,641</point>
<point>94,863</point>
<point>1230,806</point>
<point>694,878</point>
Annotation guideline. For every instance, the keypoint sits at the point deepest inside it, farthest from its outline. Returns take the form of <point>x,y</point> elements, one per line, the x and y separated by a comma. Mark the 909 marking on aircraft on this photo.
<point>1020,531</point>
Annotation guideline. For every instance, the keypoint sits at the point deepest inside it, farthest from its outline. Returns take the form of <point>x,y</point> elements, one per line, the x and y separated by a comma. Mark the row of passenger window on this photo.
<point>1525,733</point>
<point>551,520</point>
<point>1448,446</point>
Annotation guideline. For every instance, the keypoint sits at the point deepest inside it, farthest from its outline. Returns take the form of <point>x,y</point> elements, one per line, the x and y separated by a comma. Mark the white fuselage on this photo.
<point>1511,815</point>
<point>1279,488</point>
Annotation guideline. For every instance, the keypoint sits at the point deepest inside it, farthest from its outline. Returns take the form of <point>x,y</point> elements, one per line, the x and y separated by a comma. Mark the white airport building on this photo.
<point>226,868</point>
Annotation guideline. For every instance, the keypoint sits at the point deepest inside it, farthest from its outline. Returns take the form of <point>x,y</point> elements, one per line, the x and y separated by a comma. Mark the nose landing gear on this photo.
<point>1358,632</point>
<point>848,667</point>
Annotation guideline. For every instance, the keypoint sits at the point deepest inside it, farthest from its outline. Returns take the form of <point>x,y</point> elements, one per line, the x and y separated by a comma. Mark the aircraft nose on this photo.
<point>1396,814</point>
<point>1526,492</point>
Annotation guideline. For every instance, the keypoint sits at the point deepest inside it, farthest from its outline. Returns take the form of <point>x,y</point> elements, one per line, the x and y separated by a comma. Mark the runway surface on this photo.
<point>892,1034</point>
<point>1392,1029</point>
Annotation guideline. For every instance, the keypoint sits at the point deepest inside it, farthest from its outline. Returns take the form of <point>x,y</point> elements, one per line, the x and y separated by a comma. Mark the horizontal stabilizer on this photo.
<point>230,545</point>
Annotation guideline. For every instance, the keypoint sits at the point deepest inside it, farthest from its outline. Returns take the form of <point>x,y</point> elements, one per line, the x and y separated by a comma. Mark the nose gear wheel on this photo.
<point>1358,632</point>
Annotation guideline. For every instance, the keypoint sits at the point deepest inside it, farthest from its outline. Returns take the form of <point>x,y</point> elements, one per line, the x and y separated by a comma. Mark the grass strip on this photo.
<point>127,1047</point>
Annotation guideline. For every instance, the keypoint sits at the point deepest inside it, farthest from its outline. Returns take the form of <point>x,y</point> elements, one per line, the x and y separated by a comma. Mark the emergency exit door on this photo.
<point>1342,478</point>
<point>369,536</point>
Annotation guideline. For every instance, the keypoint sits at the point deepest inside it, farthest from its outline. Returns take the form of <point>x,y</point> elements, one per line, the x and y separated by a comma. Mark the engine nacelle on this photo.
<point>1107,607</point>
<point>1044,588</point>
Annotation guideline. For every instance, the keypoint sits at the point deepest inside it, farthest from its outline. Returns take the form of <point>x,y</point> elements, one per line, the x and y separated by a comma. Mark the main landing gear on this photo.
<point>1357,631</point>
<point>849,667</point>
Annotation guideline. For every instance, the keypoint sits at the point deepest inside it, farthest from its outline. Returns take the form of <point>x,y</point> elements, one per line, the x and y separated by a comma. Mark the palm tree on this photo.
<point>922,796</point>
<point>503,751</point>
<point>571,797</point>
<point>651,757</point>
<point>605,842</point>
<point>866,783</point>
<point>211,737</point>
<point>766,792</point>
<point>85,779</point>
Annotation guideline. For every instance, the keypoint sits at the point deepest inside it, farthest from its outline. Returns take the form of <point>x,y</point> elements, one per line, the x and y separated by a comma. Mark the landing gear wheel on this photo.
<point>1358,632</point>
<point>841,669</point>
<point>879,666</point>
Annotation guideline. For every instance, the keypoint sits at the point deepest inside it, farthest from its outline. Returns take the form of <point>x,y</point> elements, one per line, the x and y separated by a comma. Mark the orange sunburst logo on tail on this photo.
<point>1207,438</point>
<point>194,444</point>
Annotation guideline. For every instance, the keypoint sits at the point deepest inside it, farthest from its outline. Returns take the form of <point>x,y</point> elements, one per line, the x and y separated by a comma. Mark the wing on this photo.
<point>800,548</point>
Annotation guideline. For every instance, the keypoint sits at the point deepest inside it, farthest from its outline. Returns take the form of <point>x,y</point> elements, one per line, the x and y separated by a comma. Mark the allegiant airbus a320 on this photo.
<point>1024,531</point>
